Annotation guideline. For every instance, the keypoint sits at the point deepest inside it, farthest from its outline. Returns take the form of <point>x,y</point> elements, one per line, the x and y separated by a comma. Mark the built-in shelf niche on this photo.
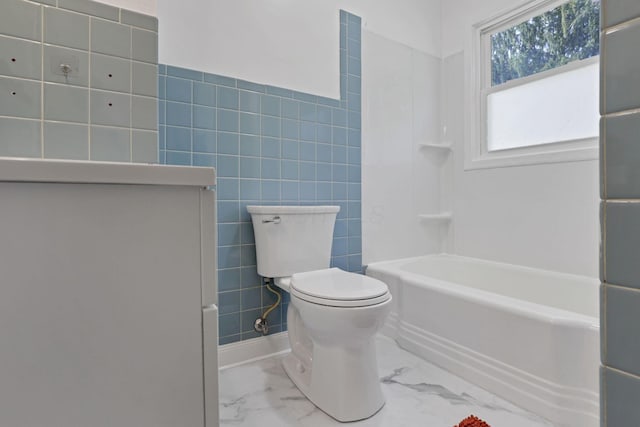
<point>442,217</point>
<point>443,148</point>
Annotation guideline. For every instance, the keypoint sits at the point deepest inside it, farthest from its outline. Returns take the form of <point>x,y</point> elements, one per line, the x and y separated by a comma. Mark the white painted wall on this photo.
<point>543,216</point>
<point>148,7</point>
<point>287,43</point>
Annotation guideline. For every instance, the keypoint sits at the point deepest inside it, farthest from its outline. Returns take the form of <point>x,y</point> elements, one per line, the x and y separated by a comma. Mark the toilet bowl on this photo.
<point>333,315</point>
<point>332,335</point>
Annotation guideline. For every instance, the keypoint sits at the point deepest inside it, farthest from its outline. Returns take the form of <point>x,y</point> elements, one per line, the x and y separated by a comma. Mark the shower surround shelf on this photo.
<point>438,217</point>
<point>444,148</point>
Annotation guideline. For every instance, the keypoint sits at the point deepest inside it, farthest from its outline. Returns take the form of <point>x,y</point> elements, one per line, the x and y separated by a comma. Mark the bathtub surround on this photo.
<point>418,394</point>
<point>543,216</point>
<point>270,145</point>
<point>400,179</point>
<point>77,81</point>
<point>620,213</point>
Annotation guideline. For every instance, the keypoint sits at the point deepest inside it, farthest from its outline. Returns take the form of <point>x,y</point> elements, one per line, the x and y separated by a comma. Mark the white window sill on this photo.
<point>560,152</point>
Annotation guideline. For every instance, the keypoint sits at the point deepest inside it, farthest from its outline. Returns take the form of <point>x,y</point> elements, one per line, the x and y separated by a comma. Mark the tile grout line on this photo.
<point>130,87</point>
<point>623,373</point>
<point>603,398</point>
<point>89,89</point>
<point>629,23</point>
<point>42,29</point>
<point>603,325</point>
<point>621,201</point>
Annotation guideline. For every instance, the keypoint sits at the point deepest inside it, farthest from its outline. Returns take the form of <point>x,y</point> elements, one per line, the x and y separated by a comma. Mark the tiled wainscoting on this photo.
<point>620,213</point>
<point>77,81</point>
<point>270,146</point>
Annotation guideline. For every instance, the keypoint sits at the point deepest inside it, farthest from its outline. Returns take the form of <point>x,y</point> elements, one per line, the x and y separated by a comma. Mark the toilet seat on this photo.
<point>337,288</point>
<point>341,303</point>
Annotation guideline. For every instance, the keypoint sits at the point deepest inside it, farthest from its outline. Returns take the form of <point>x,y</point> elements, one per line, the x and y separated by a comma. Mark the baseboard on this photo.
<point>559,404</point>
<point>240,352</point>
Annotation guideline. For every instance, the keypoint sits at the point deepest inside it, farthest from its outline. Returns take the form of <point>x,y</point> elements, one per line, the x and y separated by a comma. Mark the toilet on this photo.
<point>333,315</point>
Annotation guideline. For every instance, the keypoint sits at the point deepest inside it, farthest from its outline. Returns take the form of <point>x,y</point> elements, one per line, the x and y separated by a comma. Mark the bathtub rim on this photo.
<point>512,305</point>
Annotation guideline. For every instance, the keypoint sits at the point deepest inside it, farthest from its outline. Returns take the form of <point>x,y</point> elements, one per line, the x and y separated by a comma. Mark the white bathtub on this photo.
<point>527,335</point>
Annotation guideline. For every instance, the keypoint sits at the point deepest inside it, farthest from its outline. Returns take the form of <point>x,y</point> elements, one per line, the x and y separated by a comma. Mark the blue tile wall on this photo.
<point>269,145</point>
<point>620,213</point>
<point>104,109</point>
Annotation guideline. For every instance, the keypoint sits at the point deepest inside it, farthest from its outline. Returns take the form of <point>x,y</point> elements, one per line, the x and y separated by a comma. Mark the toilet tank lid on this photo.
<point>291,210</point>
<point>336,284</point>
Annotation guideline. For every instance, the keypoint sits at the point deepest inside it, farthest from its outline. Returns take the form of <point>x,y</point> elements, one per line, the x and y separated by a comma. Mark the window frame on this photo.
<point>478,82</point>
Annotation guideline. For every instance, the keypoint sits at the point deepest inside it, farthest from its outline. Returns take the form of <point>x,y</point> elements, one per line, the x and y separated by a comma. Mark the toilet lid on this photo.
<point>335,285</point>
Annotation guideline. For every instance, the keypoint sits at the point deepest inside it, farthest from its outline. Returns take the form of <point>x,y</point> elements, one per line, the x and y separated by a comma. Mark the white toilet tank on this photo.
<point>292,239</point>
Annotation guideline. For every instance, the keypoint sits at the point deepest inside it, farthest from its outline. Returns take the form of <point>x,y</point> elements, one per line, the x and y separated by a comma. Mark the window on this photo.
<point>534,85</point>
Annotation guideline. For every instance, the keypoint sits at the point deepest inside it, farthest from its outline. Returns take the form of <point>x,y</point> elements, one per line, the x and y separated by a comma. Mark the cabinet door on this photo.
<point>210,340</point>
<point>209,263</point>
<point>100,306</point>
<point>209,255</point>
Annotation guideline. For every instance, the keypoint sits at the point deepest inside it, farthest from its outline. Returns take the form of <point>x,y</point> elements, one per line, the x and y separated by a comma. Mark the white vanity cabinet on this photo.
<point>107,295</point>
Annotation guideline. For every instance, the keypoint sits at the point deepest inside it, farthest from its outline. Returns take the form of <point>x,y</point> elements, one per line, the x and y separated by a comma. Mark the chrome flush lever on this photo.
<point>275,220</point>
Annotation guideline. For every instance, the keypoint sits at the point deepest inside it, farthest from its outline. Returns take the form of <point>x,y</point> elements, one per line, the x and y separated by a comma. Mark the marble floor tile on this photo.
<point>418,394</point>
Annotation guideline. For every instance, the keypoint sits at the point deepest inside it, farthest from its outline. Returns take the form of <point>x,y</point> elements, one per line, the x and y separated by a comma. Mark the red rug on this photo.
<point>472,421</point>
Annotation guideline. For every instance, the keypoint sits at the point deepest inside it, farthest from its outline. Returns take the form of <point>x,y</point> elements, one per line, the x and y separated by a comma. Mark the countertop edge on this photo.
<point>89,172</point>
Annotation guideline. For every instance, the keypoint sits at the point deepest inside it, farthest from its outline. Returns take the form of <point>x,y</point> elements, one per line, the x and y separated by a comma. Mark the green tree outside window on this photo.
<point>565,34</point>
